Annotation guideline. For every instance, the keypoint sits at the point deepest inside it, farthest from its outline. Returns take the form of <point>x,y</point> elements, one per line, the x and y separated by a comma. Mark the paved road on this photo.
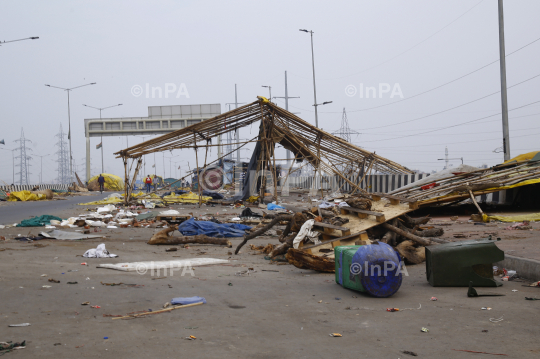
<point>14,212</point>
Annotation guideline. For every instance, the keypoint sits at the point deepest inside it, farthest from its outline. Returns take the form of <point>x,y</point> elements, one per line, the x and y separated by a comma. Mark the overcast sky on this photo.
<point>414,46</point>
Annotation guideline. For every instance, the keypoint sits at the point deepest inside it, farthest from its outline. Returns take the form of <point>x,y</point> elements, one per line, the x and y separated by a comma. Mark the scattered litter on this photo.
<point>95,306</point>
<point>188,300</point>
<point>99,252</point>
<point>172,249</point>
<point>530,298</point>
<point>71,282</point>
<point>424,330</point>
<point>46,286</point>
<point>493,320</point>
<point>105,337</point>
<point>514,290</point>
<point>434,298</point>
<point>53,280</point>
<point>20,325</point>
<point>6,347</point>
<point>335,335</point>
<point>191,337</point>
<point>486,308</point>
<point>85,303</point>
<point>143,267</point>
<point>63,235</point>
<point>43,275</point>
<point>392,309</point>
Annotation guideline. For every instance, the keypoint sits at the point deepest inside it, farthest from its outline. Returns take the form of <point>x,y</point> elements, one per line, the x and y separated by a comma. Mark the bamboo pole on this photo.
<point>158,311</point>
<point>198,172</point>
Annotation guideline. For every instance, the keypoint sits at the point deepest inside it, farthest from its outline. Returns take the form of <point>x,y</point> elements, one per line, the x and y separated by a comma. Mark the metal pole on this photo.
<point>314,88</point>
<point>504,99</point>
<point>13,160</point>
<point>41,171</point>
<point>69,137</point>
<point>237,130</point>
<point>102,167</point>
<point>287,152</point>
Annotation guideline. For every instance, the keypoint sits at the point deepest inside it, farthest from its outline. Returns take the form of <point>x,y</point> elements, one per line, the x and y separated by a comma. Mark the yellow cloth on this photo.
<point>524,217</point>
<point>252,199</point>
<point>186,198</point>
<point>112,182</point>
<point>26,196</point>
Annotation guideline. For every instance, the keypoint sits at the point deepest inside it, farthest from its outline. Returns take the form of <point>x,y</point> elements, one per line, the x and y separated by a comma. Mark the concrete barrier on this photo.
<point>525,268</point>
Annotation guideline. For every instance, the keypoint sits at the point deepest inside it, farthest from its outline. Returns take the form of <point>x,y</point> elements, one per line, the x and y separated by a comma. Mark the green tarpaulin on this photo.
<point>38,221</point>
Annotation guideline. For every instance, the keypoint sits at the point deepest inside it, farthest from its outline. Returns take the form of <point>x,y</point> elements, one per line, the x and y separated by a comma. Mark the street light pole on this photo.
<point>12,162</point>
<point>41,171</point>
<point>504,99</point>
<point>69,124</point>
<point>101,144</point>
<point>313,67</point>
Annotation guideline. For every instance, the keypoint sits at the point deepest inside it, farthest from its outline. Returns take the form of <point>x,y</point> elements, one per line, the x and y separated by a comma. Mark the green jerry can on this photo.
<point>457,264</point>
<point>343,256</point>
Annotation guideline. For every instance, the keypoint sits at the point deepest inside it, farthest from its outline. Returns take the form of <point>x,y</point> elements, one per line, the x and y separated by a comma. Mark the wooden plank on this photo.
<point>363,213</point>
<point>326,225</point>
<point>351,236</point>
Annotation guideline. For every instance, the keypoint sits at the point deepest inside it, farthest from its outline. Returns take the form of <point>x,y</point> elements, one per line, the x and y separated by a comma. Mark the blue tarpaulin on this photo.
<point>187,300</point>
<point>211,229</point>
<point>272,206</point>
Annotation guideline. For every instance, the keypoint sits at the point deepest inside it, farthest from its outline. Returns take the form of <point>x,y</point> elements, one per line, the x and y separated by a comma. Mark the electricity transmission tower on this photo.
<point>63,158</point>
<point>23,173</point>
<point>345,131</point>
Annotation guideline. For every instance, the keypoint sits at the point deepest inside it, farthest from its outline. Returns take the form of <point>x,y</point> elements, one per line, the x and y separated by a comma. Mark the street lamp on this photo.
<point>313,66</point>
<point>41,171</point>
<point>12,161</point>
<point>270,91</point>
<point>27,38</point>
<point>321,104</point>
<point>101,143</point>
<point>69,124</point>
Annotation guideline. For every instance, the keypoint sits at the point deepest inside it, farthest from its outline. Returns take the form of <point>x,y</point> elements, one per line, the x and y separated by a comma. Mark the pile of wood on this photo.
<point>367,219</point>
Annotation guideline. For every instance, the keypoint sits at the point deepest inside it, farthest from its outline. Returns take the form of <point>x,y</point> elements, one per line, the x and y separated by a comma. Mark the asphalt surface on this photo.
<point>278,311</point>
<point>14,212</point>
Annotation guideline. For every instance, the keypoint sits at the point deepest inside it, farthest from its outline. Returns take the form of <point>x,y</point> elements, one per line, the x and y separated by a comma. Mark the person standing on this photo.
<point>156,181</point>
<point>101,181</point>
<point>148,182</point>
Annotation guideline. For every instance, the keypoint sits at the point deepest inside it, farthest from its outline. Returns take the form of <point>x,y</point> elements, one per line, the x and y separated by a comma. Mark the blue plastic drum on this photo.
<point>379,269</point>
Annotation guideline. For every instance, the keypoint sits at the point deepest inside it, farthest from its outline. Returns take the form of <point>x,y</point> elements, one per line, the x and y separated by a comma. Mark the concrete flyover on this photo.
<point>160,120</point>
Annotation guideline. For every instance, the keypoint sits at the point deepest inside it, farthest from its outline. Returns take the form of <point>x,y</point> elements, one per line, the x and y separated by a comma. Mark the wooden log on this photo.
<point>284,247</point>
<point>412,254</point>
<point>305,260</point>
<point>262,230</point>
<point>163,237</point>
<point>432,232</point>
<point>411,222</point>
<point>408,235</point>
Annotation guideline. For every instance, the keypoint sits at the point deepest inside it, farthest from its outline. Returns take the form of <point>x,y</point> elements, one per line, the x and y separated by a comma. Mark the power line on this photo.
<point>409,49</point>
<point>432,89</point>
<point>452,108</point>
<point>459,124</point>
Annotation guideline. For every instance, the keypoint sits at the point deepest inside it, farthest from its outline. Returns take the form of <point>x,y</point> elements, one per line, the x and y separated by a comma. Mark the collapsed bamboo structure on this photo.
<point>325,152</point>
